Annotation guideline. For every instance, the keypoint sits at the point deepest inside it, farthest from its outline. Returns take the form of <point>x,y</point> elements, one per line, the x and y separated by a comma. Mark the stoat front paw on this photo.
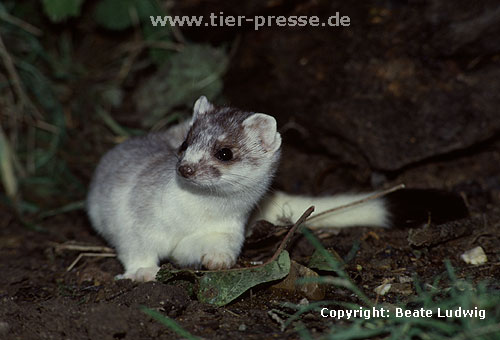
<point>143,274</point>
<point>218,261</point>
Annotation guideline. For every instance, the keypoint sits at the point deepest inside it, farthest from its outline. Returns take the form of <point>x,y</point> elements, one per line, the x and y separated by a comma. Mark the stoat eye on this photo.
<point>224,154</point>
<point>183,147</point>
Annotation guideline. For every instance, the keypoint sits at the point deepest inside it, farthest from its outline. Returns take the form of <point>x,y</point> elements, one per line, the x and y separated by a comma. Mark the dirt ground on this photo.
<point>40,299</point>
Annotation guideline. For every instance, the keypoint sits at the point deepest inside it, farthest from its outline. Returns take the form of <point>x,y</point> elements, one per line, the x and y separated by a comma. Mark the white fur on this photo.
<point>190,229</point>
<point>263,127</point>
<point>177,134</point>
<point>194,156</point>
<point>281,208</point>
<point>201,106</point>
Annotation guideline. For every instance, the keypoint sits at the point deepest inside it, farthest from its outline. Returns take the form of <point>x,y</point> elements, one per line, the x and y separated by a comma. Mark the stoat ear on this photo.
<point>264,128</point>
<point>201,107</point>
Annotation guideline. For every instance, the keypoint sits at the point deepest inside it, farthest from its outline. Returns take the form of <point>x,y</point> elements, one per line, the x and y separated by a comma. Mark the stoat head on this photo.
<point>228,150</point>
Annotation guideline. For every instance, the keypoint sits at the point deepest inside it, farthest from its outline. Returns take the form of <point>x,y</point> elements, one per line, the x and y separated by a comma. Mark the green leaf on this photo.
<point>120,14</point>
<point>320,261</point>
<point>196,70</point>
<point>146,8</point>
<point>113,14</point>
<point>79,205</point>
<point>59,10</point>
<point>221,287</point>
<point>159,34</point>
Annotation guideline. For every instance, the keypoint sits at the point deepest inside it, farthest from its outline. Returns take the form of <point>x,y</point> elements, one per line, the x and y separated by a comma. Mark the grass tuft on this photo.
<point>174,326</point>
<point>457,294</point>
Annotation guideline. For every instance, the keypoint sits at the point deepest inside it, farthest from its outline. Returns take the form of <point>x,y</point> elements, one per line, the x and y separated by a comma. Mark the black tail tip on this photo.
<point>412,207</point>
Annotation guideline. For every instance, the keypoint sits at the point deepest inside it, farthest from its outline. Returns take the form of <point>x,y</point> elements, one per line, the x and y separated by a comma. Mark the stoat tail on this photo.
<point>403,208</point>
<point>280,208</point>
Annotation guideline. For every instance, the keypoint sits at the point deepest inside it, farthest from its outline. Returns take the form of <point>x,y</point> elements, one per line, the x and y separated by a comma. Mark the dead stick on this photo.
<point>20,23</point>
<point>361,201</point>
<point>77,247</point>
<point>290,233</point>
<point>73,264</point>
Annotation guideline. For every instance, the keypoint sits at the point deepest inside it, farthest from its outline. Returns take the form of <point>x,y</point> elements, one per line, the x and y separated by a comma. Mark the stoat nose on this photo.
<point>186,170</point>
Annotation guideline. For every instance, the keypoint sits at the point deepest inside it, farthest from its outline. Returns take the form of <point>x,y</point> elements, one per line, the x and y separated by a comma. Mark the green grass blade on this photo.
<point>169,323</point>
<point>7,167</point>
<point>78,205</point>
<point>337,267</point>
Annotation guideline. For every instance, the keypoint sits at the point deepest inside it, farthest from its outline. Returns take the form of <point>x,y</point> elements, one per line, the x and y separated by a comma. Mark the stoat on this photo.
<point>186,194</point>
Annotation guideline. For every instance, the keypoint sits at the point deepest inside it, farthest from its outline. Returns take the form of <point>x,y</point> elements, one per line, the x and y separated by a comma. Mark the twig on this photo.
<point>358,202</point>
<point>132,56</point>
<point>77,247</point>
<point>290,233</point>
<point>233,313</point>
<point>46,126</point>
<point>31,146</point>
<point>104,252</point>
<point>178,34</point>
<point>275,317</point>
<point>21,23</point>
<point>24,100</point>
<point>73,264</point>
<point>140,45</point>
<point>8,102</point>
<point>127,65</point>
